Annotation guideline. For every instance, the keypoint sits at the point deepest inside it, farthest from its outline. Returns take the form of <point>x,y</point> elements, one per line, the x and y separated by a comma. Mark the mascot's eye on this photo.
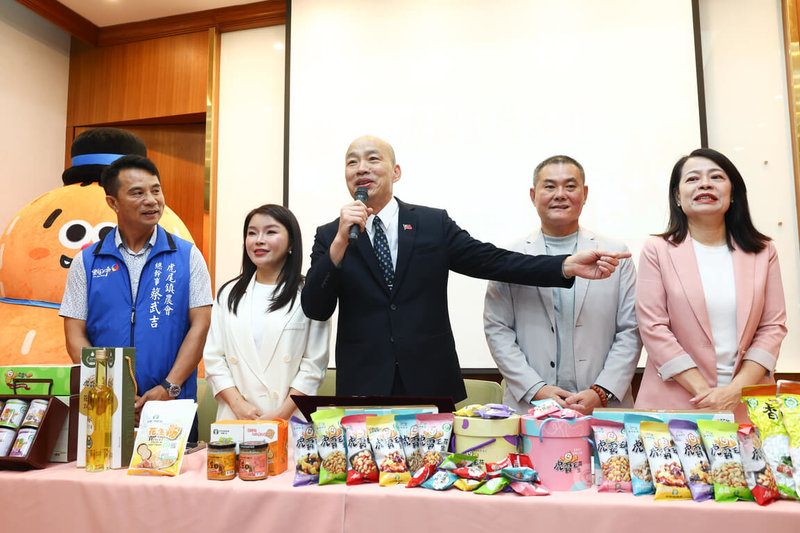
<point>102,229</point>
<point>75,234</point>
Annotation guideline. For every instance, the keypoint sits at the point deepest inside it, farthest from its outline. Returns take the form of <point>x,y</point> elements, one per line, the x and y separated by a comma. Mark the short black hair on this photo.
<point>558,160</point>
<point>109,179</point>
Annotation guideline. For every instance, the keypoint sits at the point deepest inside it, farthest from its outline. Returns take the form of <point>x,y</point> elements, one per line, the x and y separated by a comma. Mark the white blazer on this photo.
<point>297,357</point>
<point>519,323</point>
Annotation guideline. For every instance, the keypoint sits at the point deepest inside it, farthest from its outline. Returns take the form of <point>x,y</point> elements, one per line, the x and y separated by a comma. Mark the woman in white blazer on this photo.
<point>261,348</point>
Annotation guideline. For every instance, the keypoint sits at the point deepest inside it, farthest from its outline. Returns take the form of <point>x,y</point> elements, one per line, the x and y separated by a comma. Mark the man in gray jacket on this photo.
<point>577,345</point>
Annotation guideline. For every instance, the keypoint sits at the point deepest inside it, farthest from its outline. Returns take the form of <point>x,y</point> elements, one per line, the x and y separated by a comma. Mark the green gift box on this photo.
<point>36,379</point>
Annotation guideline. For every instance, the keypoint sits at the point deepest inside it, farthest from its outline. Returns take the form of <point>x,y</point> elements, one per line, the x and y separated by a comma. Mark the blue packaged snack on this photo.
<point>641,478</point>
<point>441,480</point>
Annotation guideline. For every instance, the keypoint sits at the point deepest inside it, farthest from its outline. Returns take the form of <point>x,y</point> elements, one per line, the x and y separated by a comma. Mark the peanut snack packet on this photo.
<point>758,474</point>
<point>695,464</point>
<point>361,467</point>
<point>764,411</point>
<point>161,440</point>
<point>668,478</point>
<point>493,486</point>
<point>306,457</point>
<point>385,441</point>
<point>408,427</point>
<point>641,478</point>
<point>789,401</point>
<point>612,449</point>
<point>331,446</point>
<point>434,436</point>
<point>722,446</point>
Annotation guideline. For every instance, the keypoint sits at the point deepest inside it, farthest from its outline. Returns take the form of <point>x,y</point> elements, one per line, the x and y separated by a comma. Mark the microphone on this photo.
<point>361,194</point>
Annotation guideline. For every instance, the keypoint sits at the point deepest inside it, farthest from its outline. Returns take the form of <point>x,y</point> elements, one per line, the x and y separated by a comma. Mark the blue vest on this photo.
<point>157,322</point>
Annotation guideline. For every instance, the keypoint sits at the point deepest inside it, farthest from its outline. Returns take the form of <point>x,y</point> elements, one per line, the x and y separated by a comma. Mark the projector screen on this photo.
<point>473,94</point>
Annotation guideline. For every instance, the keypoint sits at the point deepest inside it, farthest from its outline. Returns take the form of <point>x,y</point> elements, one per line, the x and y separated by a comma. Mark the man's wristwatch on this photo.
<point>173,389</point>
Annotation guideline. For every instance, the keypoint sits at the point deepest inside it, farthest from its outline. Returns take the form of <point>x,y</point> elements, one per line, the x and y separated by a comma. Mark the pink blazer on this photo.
<point>674,324</point>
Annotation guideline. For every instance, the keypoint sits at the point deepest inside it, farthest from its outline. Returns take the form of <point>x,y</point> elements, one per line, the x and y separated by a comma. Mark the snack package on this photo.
<point>494,469</point>
<point>306,458</point>
<point>641,478</point>
<point>612,449</point>
<point>161,440</point>
<point>361,465</point>
<point>542,408</point>
<point>467,484</point>
<point>493,486</point>
<point>441,480</point>
<point>764,411</point>
<point>528,489</point>
<point>457,460</point>
<point>789,400</point>
<point>408,428</point>
<point>668,478</point>
<point>468,410</point>
<point>330,445</point>
<point>470,472</point>
<point>695,464</point>
<point>434,436</point>
<point>385,440</point>
<point>421,475</point>
<point>495,410</point>
<point>722,446</point>
<point>758,474</point>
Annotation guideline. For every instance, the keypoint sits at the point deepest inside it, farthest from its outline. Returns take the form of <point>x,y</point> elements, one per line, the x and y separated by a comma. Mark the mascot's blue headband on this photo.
<point>94,159</point>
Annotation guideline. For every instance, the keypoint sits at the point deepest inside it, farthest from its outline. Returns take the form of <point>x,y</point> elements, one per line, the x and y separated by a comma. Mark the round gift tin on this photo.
<point>33,418</point>
<point>253,460</point>
<point>23,443</point>
<point>6,440</point>
<point>13,413</point>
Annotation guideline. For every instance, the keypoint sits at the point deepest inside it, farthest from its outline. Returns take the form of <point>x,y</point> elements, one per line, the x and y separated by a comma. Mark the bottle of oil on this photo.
<point>100,408</point>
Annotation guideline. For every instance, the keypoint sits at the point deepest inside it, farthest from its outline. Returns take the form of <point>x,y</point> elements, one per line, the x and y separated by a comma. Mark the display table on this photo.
<point>62,497</point>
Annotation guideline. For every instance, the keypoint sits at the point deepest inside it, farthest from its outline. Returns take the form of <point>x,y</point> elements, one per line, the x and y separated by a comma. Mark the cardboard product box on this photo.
<point>121,372</point>
<point>36,380</point>
<point>45,437</point>
<point>275,432</point>
<point>66,448</point>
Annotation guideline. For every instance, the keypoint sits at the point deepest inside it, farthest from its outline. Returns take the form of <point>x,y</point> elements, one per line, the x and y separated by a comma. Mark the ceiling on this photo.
<point>110,12</point>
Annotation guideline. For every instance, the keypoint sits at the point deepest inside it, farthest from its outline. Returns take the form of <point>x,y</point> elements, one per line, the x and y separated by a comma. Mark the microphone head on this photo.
<point>362,194</point>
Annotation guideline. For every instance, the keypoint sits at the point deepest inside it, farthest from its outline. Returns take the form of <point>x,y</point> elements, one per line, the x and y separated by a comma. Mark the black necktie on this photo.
<point>381,246</point>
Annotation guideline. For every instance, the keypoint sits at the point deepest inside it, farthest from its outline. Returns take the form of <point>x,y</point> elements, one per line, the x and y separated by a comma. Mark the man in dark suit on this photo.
<point>394,335</point>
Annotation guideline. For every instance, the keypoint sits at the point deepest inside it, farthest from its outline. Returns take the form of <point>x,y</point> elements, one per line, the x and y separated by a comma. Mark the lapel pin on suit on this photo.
<point>407,226</point>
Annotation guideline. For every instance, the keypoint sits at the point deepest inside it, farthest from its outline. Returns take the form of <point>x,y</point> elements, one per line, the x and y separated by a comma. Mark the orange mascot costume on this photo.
<point>39,243</point>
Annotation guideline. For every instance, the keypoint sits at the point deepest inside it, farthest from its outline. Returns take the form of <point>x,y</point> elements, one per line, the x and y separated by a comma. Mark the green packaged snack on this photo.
<point>493,486</point>
<point>721,443</point>
<point>331,446</point>
<point>765,412</point>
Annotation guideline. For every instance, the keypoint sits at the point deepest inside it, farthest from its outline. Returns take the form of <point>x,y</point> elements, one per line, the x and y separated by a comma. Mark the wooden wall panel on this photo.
<point>136,81</point>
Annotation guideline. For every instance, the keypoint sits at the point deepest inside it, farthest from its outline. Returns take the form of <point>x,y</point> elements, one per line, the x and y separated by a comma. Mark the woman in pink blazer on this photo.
<point>709,297</point>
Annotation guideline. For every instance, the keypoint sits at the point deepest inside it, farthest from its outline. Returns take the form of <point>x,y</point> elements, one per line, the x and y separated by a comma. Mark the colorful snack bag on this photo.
<point>434,436</point>
<point>161,440</point>
<point>331,445</point>
<point>528,489</point>
<point>668,478</point>
<point>641,478</point>
<point>306,458</point>
<point>421,475</point>
<point>695,464</point>
<point>385,440</point>
<point>542,408</point>
<point>493,486</point>
<point>361,465</point>
<point>789,401</point>
<point>612,449</point>
<point>457,460</point>
<point>494,469</point>
<point>759,476</point>
<point>722,447</point>
<point>441,480</point>
<point>408,427</point>
<point>470,472</point>
<point>764,411</point>
<point>467,484</point>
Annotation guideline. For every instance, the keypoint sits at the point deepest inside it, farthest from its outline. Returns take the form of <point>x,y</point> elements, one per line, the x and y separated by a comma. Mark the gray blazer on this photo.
<point>519,323</point>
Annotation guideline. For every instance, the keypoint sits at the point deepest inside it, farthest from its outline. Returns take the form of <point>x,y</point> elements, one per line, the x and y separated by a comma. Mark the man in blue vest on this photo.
<point>141,286</point>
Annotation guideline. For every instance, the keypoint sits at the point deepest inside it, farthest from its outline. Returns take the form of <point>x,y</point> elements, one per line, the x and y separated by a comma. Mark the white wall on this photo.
<point>748,120</point>
<point>33,106</point>
<point>250,171</point>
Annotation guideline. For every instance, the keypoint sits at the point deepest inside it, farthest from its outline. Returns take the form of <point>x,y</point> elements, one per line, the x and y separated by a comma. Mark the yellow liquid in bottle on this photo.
<point>100,408</point>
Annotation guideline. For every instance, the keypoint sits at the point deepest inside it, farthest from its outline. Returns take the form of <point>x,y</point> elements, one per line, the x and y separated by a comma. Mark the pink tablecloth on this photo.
<point>64,498</point>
